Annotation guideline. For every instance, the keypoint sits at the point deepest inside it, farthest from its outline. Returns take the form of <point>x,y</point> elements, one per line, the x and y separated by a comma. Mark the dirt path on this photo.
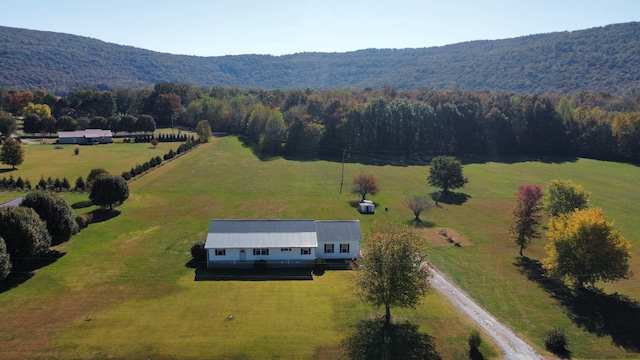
<point>512,346</point>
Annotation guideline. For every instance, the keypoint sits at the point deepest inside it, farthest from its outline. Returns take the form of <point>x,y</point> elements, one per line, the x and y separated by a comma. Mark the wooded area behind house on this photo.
<point>598,59</point>
<point>368,125</point>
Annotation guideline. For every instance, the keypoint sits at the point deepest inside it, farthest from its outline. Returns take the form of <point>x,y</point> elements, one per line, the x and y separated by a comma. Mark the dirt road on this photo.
<point>512,346</point>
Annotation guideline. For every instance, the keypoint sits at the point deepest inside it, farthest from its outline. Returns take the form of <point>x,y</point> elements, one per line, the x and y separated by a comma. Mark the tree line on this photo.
<point>379,122</point>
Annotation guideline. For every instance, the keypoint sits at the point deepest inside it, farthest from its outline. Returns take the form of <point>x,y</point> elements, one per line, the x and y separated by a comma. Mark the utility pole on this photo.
<point>342,179</point>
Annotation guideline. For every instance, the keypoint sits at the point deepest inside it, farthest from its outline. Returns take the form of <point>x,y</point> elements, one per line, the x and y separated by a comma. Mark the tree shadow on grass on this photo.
<point>23,269</point>
<point>100,215</point>
<point>372,340</point>
<point>420,224</point>
<point>593,310</point>
<point>475,354</point>
<point>450,198</point>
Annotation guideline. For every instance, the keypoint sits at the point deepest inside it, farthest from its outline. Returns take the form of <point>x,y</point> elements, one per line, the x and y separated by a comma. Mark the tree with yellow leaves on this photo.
<point>584,248</point>
<point>393,269</point>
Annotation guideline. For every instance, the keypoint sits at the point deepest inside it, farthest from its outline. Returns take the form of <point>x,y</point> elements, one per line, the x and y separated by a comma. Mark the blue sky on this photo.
<point>277,27</point>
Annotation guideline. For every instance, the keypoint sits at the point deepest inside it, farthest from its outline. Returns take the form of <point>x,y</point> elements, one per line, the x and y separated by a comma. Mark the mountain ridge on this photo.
<point>597,59</point>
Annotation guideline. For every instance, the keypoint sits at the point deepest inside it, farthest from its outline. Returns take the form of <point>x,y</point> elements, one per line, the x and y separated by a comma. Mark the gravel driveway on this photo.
<point>512,346</point>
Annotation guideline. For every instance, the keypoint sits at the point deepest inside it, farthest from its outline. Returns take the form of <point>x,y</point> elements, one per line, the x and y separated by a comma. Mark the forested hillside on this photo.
<point>598,59</point>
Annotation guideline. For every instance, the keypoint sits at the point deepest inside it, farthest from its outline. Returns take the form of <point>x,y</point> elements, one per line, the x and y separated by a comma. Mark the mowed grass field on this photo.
<point>43,161</point>
<point>130,273</point>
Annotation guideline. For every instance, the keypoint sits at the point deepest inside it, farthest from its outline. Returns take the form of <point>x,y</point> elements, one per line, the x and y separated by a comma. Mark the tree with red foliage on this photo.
<point>526,215</point>
<point>364,184</point>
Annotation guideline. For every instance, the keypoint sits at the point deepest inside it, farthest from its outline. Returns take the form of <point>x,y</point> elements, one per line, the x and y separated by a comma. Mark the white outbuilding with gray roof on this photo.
<point>280,243</point>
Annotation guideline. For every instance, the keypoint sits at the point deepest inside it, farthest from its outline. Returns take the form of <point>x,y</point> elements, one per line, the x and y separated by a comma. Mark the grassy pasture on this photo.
<point>51,161</point>
<point>129,275</point>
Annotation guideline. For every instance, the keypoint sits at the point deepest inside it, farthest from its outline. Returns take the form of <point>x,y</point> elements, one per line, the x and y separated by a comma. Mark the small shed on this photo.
<point>367,207</point>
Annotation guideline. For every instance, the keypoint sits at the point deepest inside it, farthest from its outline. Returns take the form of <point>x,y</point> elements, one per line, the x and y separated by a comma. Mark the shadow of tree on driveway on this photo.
<point>593,310</point>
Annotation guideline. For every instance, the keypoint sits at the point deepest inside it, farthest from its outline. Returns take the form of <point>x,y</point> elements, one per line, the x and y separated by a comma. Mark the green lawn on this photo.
<point>43,161</point>
<point>130,275</point>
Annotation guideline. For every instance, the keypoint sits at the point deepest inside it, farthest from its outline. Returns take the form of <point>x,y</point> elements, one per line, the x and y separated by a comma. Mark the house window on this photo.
<point>221,252</point>
<point>285,249</point>
<point>260,251</point>
<point>344,248</point>
<point>305,251</point>
<point>328,248</point>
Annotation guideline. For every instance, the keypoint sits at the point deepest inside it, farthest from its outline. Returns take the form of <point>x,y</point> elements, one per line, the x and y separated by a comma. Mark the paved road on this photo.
<point>512,346</point>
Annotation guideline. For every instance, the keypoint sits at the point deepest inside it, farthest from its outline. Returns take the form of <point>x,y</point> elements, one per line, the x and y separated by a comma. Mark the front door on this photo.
<point>243,255</point>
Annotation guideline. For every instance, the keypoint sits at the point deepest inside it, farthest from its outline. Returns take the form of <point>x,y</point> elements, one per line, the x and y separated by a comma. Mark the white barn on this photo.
<point>280,243</point>
<point>85,137</point>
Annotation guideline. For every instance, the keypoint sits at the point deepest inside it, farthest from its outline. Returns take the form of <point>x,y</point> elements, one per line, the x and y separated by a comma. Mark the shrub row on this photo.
<point>13,184</point>
<point>49,184</point>
<point>163,138</point>
<point>155,161</point>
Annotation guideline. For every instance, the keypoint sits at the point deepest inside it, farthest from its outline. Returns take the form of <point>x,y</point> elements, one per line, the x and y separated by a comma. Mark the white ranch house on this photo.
<point>85,137</point>
<point>281,243</point>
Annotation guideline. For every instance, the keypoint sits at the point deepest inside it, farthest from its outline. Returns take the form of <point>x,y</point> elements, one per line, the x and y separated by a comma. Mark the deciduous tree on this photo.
<point>393,270</point>
<point>93,175</point>
<point>24,233</point>
<point>108,190</point>
<point>8,124</point>
<point>31,124</point>
<point>16,101</point>
<point>203,129</point>
<point>128,123</point>
<point>446,173</point>
<point>364,184</point>
<point>145,123</point>
<point>563,196</point>
<point>12,152</point>
<point>66,123</point>
<point>56,213</point>
<point>42,110</point>
<point>167,107</point>
<point>49,124</point>
<point>585,248</point>
<point>526,215</point>
<point>418,204</point>
<point>5,261</point>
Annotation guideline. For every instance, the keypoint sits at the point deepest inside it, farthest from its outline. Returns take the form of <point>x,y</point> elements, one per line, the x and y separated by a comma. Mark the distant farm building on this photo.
<point>280,243</point>
<point>85,137</point>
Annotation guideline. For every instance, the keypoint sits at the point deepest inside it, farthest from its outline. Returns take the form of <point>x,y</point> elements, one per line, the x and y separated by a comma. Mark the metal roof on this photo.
<point>338,230</point>
<point>225,234</point>
<point>89,133</point>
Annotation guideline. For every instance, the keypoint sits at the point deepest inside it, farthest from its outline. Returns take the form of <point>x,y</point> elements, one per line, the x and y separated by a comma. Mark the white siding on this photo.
<point>354,250</point>
<point>275,255</point>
